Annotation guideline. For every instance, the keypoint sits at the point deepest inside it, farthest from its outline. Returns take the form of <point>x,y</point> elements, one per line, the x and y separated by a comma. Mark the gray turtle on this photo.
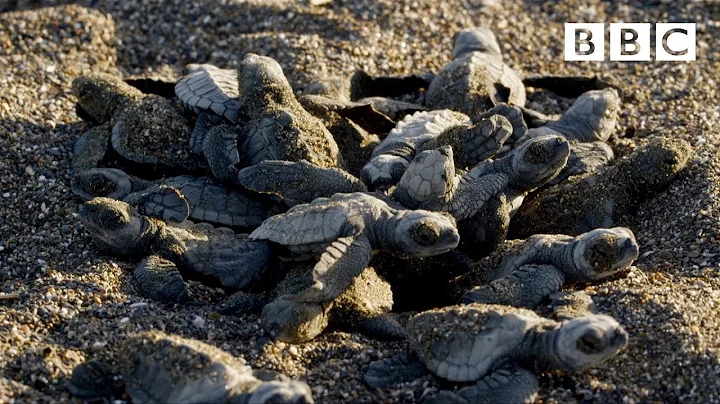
<point>500,349</point>
<point>345,229</point>
<point>162,368</point>
<point>273,124</point>
<point>197,198</point>
<point>587,124</point>
<point>476,79</point>
<point>602,199</point>
<point>485,198</point>
<point>429,130</point>
<point>364,306</point>
<point>146,129</point>
<point>216,256</point>
<point>531,270</point>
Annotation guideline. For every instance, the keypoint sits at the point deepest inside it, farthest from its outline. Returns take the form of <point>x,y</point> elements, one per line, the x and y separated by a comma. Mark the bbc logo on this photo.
<point>630,42</point>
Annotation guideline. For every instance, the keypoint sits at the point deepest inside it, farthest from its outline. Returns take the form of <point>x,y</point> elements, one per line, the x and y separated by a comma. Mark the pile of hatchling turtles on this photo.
<point>342,205</point>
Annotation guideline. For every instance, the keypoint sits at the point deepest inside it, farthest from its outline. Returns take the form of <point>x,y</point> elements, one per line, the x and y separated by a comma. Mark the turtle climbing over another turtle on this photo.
<point>165,368</point>
<point>363,306</point>
<point>500,349</point>
<point>475,142</point>
<point>476,79</point>
<point>485,198</point>
<point>177,198</point>
<point>602,199</point>
<point>345,229</point>
<point>271,123</point>
<point>144,129</point>
<point>216,256</point>
<point>542,264</point>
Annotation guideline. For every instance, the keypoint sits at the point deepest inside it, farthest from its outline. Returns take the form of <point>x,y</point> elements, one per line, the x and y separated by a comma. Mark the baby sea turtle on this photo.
<point>200,198</point>
<point>216,256</point>
<point>430,130</point>
<point>345,229</point>
<point>485,198</point>
<point>364,306</point>
<point>498,348</point>
<point>271,124</point>
<point>162,368</point>
<point>476,79</point>
<point>600,200</point>
<point>146,129</point>
<point>540,265</point>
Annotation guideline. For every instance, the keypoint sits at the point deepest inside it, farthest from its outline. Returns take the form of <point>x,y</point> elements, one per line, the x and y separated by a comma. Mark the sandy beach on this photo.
<point>63,303</point>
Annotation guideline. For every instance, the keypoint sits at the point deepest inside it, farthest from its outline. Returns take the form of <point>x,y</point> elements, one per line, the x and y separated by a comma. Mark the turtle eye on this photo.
<point>425,233</point>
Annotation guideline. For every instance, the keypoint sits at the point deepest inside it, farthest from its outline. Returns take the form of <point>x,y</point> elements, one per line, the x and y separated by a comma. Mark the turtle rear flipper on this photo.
<point>570,86</point>
<point>159,279</point>
<point>525,287</point>
<point>397,369</point>
<point>204,122</point>
<point>298,182</point>
<point>161,202</point>
<point>92,380</point>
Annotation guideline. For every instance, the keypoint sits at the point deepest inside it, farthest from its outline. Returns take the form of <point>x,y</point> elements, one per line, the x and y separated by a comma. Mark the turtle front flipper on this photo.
<point>584,158</point>
<point>471,195</point>
<point>525,287</point>
<point>161,202</point>
<point>89,149</point>
<point>103,182</point>
<point>484,140</point>
<point>513,113</point>
<point>570,86</point>
<point>204,122</point>
<point>396,369</point>
<point>509,384</point>
<point>343,260</point>
<point>220,148</point>
<point>298,182</point>
<point>159,279</point>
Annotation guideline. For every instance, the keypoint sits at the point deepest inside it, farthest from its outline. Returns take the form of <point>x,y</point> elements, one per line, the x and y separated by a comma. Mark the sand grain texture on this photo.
<point>74,304</point>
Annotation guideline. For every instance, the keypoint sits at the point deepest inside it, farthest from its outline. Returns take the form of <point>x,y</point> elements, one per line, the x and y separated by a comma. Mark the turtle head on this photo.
<point>423,233</point>
<point>291,392</point>
<point>604,252</point>
<point>476,40</point>
<point>261,77</point>
<point>588,340</point>
<point>100,96</point>
<point>653,166</point>
<point>383,171</point>
<point>593,116</point>
<point>539,160</point>
<point>108,182</point>
<point>428,177</point>
<point>114,225</point>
